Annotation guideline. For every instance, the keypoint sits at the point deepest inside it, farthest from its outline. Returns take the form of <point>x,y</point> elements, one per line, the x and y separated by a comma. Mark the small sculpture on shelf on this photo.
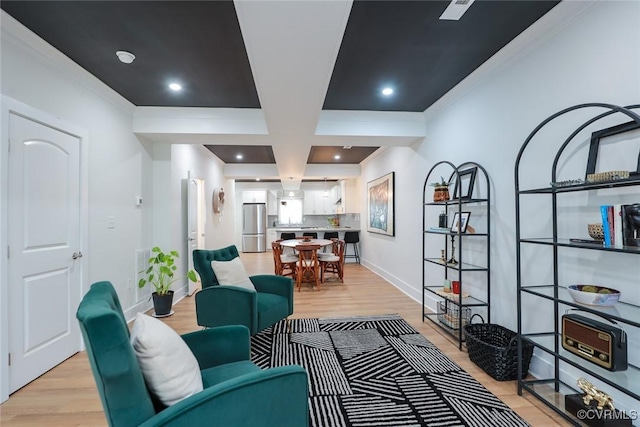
<point>443,259</point>
<point>631,226</point>
<point>592,393</point>
<point>452,260</point>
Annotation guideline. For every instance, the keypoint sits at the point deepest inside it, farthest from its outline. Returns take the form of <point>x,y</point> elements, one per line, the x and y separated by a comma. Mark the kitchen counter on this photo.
<point>303,229</point>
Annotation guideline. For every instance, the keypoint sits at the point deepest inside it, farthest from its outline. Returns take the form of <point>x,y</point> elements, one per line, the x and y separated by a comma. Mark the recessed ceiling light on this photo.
<point>337,157</point>
<point>239,156</point>
<point>387,91</point>
<point>257,179</point>
<point>175,87</point>
<point>347,147</point>
<point>125,57</point>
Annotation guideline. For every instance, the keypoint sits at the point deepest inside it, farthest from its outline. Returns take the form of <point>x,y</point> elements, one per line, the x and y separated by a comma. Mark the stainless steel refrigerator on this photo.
<point>254,227</point>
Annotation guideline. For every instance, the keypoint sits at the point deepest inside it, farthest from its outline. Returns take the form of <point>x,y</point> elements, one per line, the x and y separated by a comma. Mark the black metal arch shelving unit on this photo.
<point>455,306</point>
<point>550,342</point>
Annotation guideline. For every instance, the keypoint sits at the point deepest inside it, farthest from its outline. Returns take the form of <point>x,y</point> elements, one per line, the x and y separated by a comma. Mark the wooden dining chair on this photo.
<point>308,264</point>
<point>284,264</point>
<point>333,263</point>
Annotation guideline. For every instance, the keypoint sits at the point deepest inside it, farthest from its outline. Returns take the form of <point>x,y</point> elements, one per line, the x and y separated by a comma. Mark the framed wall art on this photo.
<point>464,189</point>
<point>460,222</point>
<point>606,146</point>
<point>381,205</point>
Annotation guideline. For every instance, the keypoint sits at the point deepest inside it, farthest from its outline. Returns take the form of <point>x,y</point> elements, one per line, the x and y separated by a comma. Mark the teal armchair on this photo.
<point>218,305</point>
<point>236,392</point>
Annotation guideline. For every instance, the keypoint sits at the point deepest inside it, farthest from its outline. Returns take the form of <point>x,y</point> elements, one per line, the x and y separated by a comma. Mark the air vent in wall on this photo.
<point>456,9</point>
<point>142,263</point>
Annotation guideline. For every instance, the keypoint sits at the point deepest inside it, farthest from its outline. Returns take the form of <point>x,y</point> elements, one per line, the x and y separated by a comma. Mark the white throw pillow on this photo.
<point>232,273</point>
<point>170,369</point>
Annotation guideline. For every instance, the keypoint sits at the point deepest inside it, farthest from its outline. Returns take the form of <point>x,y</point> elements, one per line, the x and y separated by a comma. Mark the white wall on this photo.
<point>121,167</point>
<point>595,58</point>
<point>219,229</point>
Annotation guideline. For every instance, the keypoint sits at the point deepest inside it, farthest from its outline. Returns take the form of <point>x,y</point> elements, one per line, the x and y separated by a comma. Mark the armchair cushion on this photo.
<point>202,263</point>
<point>232,273</point>
<point>168,366</point>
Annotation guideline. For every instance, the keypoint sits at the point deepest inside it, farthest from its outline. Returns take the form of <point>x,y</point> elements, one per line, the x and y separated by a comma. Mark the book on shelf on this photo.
<point>606,231</point>
<point>440,229</point>
<point>617,226</point>
<point>621,225</point>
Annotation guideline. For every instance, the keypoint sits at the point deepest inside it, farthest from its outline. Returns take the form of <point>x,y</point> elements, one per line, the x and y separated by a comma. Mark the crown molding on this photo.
<point>14,31</point>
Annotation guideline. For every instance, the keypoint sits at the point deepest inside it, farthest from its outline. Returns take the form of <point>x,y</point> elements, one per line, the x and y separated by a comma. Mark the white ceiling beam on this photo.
<point>292,47</point>
<point>186,120</point>
<point>371,123</point>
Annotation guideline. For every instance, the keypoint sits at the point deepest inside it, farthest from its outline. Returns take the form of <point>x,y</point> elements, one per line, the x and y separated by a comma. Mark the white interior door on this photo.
<point>192,224</point>
<point>45,256</point>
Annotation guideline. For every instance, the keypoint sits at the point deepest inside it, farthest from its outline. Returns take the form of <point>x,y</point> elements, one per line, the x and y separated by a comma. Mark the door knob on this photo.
<point>76,255</point>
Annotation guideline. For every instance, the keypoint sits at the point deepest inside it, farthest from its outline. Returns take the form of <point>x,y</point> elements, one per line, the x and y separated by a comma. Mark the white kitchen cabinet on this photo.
<point>272,235</point>
<point>308,206</point>
<point>254,196</point>
<point>349,197</point>
<point>272,204</point>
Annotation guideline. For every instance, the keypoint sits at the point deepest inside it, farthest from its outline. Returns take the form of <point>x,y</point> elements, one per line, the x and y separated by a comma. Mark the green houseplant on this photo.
<point>441,190</point>
<point>160,274</point>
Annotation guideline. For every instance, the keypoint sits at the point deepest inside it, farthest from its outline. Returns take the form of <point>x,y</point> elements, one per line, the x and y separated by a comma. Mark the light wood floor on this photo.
<point>67,396</point>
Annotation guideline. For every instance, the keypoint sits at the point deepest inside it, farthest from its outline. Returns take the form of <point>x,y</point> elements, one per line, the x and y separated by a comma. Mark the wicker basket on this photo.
<point>494,349</point>
<point>449,314</point>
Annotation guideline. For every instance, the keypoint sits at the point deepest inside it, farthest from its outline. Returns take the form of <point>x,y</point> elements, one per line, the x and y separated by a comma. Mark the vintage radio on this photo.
<point>598,342</point>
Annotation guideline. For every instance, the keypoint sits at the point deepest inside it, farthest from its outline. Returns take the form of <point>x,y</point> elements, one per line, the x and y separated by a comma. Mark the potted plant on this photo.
<point>160,275</point>
<point>441,190</point>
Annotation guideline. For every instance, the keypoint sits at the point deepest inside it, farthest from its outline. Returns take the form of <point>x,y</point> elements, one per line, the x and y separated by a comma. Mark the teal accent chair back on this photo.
<point>236,391</point>
<point>202,262</point>
<point>219,305</point>
<point>120,383</point>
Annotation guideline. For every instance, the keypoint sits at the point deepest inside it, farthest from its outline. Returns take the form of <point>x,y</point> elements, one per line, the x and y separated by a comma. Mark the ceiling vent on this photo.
<point>456,9</point>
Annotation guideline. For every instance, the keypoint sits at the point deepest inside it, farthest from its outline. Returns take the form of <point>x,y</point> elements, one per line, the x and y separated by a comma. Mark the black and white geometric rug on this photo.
<point>378,371</point>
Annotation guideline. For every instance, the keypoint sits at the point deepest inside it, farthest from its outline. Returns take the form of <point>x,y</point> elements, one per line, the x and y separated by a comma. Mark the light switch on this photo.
<point>111,222</point>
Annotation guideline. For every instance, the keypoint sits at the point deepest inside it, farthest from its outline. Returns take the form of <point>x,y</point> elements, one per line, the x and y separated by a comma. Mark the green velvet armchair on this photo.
<point>236,392</point>
<point>218,305</point>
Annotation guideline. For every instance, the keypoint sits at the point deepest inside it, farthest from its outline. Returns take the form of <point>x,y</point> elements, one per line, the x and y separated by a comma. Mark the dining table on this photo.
<point>292,243</point>
<point>309,262</point>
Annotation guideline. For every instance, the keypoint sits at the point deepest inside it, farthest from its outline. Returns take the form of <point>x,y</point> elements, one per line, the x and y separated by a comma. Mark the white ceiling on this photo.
<point>292,48</point>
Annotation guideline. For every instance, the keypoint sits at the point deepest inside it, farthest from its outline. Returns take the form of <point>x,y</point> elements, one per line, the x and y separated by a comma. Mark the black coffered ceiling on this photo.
<point>198,43</point>
<point>250,153</point>
<point>401,43</point>
<point>404,44</point>
<point>326,155</point>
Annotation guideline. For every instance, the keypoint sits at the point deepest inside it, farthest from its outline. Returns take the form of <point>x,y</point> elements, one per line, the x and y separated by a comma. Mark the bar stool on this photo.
<point>328,235</point>
<point>288,236</point>
<point>352,237</point>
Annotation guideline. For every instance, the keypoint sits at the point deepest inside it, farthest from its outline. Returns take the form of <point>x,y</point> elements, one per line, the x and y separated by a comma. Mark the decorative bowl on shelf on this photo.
<point>595,231</point>
<point>594,295</point>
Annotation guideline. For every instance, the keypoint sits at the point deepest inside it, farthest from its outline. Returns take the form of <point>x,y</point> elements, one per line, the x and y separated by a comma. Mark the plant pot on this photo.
<point>162,303</point>
<point>440,194</point>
